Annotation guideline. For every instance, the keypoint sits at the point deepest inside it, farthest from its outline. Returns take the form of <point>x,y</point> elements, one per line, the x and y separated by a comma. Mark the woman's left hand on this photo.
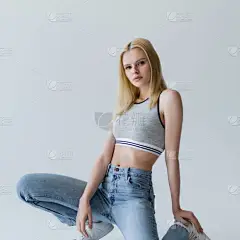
<point>188,216</point>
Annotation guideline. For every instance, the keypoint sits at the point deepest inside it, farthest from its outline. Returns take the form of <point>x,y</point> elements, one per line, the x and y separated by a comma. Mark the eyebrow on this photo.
<point>135,62</point>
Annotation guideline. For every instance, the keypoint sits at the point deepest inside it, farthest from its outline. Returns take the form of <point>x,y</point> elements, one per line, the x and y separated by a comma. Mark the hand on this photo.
<point>188,216</point>
<point>84,212</point>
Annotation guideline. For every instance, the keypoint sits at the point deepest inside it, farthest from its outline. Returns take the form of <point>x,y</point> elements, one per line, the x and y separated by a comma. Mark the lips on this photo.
<point>137,78</point>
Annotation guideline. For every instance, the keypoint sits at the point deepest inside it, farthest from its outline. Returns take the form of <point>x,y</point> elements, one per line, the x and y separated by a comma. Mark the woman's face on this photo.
<point>136,66</point>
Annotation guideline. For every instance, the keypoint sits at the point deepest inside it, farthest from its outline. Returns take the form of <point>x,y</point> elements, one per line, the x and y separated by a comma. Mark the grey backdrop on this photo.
<point>59,76</point>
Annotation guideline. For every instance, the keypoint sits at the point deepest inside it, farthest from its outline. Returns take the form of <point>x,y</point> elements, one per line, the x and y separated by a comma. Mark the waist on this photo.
<point>152,148</point>
<point>128,171</point>
<point>124,156</point>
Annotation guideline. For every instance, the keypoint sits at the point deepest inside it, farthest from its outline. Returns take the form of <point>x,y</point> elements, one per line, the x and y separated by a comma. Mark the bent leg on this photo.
<point>59,195</point>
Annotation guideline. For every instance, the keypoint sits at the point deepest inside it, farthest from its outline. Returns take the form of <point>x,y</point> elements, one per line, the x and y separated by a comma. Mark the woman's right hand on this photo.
<point>84,212</point>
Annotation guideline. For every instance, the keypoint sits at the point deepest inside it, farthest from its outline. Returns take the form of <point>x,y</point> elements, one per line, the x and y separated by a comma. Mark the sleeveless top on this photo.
<point>141,128</point>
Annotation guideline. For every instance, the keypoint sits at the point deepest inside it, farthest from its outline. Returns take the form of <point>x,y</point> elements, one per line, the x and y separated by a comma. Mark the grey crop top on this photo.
<point>141,128</point>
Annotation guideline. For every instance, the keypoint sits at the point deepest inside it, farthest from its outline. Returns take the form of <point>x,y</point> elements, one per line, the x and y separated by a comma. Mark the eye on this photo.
<point>142,62</point>
<point>127,67</point>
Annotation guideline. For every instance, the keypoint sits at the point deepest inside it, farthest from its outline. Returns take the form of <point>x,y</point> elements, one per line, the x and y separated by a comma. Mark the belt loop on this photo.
<point>109,165</point>
<point>127,173</point>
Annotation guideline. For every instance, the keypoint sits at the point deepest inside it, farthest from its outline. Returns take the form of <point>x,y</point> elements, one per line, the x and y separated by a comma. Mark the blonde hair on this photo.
<point>128,93</point>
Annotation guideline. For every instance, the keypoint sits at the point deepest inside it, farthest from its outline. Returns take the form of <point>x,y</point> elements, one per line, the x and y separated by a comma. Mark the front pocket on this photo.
<point>138,182</point>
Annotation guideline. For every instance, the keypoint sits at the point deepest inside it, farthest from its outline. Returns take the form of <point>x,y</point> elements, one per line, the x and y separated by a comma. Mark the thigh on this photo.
<point>55,187</point>
<point>136,219</point>
<point>60,195</point>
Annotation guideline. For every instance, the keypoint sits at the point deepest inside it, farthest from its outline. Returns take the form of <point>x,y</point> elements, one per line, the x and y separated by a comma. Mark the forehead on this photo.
<point>133,55</point>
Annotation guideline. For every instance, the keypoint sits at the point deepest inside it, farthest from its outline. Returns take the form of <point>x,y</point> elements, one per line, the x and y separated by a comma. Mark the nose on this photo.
<point>135,69</point>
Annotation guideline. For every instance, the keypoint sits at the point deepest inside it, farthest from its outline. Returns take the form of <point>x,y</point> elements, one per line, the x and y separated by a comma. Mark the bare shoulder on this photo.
<point>170,97</point>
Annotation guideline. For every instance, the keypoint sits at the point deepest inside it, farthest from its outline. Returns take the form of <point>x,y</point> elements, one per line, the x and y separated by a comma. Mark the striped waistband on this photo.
<point>139,145</point>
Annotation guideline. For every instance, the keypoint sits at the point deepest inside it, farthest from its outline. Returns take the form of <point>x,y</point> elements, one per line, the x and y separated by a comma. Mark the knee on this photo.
<point>23,184</point>
<point>176,232</point>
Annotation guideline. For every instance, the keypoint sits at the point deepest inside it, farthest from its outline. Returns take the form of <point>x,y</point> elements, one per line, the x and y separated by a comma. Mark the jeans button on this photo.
<point>116,169</point>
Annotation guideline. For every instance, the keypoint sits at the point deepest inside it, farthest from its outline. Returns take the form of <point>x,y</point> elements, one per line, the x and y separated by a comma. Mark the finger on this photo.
<point>78,224</point>
<point>196,223</point>
<point>90,220</point>
<point>185,221</point>
<point>83,230</point>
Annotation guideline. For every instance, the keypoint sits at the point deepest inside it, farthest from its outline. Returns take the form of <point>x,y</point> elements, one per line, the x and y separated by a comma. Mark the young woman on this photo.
<point>147,121</point>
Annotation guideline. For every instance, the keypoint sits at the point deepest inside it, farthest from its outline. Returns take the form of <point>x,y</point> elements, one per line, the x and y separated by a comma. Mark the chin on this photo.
<point>136,84</point>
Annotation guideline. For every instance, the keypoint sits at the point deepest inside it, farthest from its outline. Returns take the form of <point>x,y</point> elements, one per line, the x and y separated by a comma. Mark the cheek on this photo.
<point>128,74</point>
<point>146,70</point>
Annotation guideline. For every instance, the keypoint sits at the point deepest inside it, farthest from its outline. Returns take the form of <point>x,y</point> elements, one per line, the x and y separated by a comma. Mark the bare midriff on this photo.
<point>125,156</point>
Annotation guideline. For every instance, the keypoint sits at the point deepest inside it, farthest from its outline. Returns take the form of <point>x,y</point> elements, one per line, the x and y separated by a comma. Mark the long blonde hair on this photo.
<point>128,93</point>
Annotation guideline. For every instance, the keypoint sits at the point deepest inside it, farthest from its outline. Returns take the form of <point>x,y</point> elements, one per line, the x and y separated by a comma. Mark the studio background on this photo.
<point>59,78</point>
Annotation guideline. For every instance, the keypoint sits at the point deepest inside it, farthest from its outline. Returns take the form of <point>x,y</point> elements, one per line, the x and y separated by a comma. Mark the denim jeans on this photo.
<point>124,198</point>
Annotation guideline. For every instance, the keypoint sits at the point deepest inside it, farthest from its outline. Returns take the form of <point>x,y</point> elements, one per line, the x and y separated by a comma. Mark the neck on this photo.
<point>144,93</point>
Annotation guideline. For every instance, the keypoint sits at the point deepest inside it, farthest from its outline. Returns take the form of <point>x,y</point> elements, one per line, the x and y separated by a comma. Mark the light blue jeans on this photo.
<point>124,198</point>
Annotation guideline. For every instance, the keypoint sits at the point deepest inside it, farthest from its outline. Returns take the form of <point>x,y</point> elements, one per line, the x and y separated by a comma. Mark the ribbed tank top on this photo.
<point>141,128</point>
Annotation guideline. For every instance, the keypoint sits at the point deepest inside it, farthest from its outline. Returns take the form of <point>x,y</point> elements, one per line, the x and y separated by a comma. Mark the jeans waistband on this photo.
<point>128,171</point>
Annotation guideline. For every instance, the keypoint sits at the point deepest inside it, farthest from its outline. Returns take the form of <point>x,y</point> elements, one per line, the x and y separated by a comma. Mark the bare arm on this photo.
<point>100,167</point>
<point>173,114</point>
